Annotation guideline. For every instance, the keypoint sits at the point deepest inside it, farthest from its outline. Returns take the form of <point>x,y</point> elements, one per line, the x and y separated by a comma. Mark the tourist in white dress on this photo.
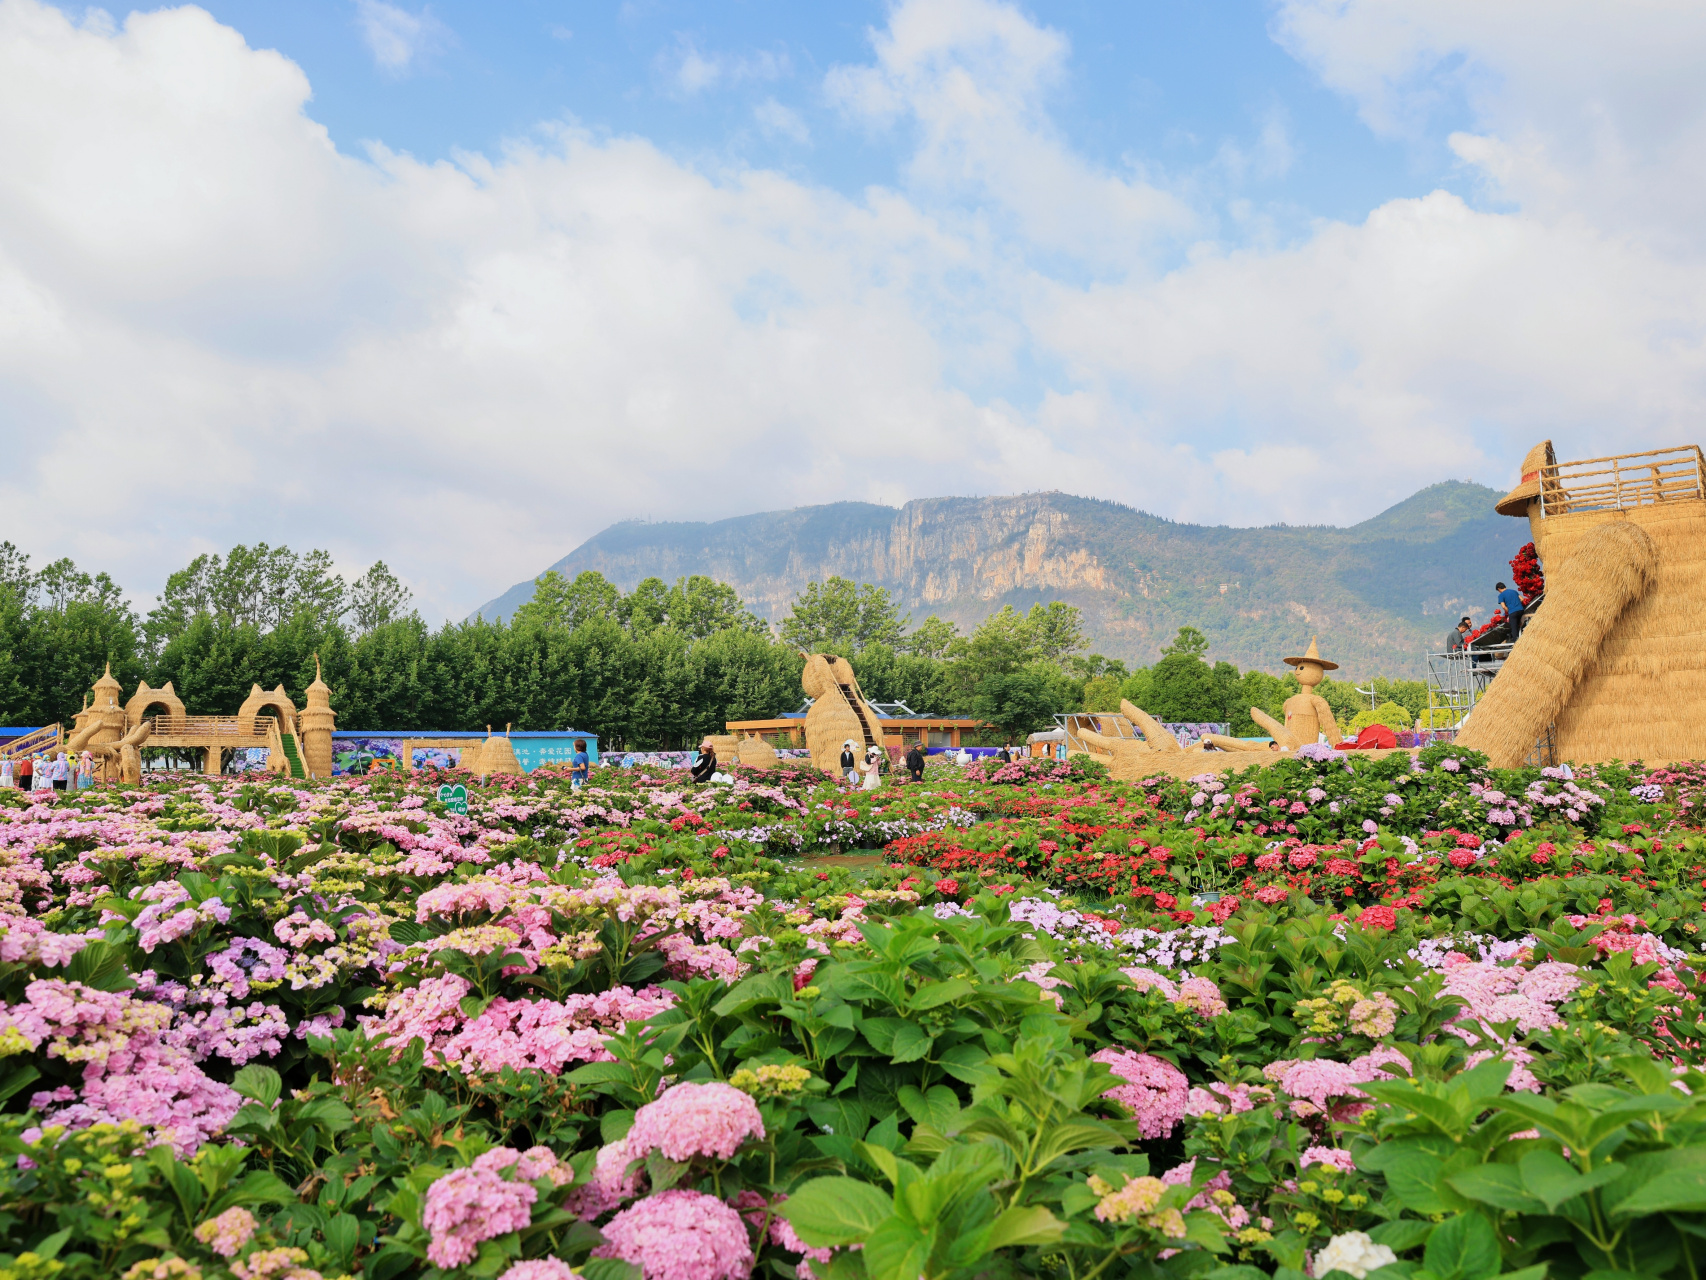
<point>873,767</point>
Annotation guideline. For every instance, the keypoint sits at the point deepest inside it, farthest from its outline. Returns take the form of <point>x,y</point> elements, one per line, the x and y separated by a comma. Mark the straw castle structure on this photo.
<point>1614,665</point>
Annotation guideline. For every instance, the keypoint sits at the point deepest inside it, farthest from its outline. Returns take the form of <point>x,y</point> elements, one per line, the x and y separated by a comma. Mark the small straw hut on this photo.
<point>497,755</point>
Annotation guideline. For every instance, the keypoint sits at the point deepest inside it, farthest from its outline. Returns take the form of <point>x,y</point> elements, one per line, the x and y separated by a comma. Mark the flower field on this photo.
<point>1400,1017</point>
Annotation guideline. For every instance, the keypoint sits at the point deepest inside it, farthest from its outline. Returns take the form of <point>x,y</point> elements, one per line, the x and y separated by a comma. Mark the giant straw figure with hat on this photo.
<point>1308,718</point>
<point>1614,665</point>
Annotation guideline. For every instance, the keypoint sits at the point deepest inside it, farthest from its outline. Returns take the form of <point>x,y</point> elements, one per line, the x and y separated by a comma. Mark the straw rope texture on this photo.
<point>1595,659</point>
<point>830,721</point>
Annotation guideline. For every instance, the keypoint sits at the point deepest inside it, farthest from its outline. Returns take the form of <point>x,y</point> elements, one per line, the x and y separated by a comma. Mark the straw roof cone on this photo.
<point>1314,656</point>
<point>1515,503</point>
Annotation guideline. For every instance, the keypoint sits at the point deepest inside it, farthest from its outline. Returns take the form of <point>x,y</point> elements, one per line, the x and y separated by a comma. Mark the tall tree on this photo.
<point>1189,641</point>
<point>1017,702</point>
<point>841,616</point>
<point>932,638</point>
<point>557,602</point>
<point>1057,629</point>
<point>377,597</point>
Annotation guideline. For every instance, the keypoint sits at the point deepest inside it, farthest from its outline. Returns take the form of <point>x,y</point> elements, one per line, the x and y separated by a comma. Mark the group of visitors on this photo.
<point>42,773</point>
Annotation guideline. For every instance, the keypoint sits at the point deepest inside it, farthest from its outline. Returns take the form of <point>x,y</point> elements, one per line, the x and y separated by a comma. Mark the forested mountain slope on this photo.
<point>1379,593</point>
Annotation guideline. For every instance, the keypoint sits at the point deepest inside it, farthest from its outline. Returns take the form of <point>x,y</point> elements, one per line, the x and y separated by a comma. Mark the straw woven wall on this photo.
<point>1616,658</point>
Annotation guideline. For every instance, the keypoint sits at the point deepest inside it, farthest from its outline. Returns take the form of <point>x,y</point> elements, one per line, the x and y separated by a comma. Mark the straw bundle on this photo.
<point>831,720</point>
<point>1593,578</point>
<point>1154,732</point>
<point>498,756</point>
<point>1645,696</point>
<point>756,753</point>
<point>470,758</point>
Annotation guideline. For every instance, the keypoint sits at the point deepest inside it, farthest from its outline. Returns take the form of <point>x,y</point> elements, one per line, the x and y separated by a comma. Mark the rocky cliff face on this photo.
<point>1377,593</point>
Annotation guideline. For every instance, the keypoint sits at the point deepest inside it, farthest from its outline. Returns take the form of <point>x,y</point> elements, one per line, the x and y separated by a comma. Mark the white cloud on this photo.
<point>692,71</point>
<point>779,121</point>
<point>1579,109</point>
<point>398,39</point>
<point>214,327</point>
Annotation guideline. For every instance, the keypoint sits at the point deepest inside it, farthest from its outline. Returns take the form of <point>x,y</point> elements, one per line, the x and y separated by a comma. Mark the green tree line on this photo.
<point>652,668</point>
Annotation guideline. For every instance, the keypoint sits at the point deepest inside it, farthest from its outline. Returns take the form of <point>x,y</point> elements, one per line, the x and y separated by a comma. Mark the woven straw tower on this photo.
<point>838,711</point>
<point>470,758</point>
<point>314,723</point>
<point>103,723</point>
<point>1613,664</point>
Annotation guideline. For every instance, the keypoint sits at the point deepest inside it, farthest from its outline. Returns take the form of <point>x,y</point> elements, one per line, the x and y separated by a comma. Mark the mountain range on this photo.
<point>1380,594</point>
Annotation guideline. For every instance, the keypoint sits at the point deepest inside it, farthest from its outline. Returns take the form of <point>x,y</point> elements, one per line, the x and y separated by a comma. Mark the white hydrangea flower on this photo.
<point>1354,1254</point>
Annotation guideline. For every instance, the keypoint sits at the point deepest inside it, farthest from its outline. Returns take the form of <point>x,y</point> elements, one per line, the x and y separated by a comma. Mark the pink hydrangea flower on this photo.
<point>1202,996</point>
<point>611,1184</point>
<point>467,1206</point>
<point>1330,1156</point>
<point>1155,1090</point>
<point>696,1120</point>
<point>227,1233</point>
<point>680,1235</point>
<point>541,1269</point>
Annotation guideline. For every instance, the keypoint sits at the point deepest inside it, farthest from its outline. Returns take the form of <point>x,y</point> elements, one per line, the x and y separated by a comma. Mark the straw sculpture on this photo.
<point>838,712</point>
<point>1612,567</point>
<point>1156,734</point>
<point>105,732</point>
<point>1307,715</point>
<point>469,760</point>
<point>756,753</point>
<point>314,724</point>
<point>497,755</point>
<point>147,699</point>
<point>1615,659</point>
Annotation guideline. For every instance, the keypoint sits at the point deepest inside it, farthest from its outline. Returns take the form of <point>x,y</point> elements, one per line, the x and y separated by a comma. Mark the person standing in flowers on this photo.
<point>849,762</point>
<point>873,768</point>
<point>706,764</point>
<point>580,765</point>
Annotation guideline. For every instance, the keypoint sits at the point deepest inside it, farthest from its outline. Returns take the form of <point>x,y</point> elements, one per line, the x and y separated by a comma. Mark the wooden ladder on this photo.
<point>854,701</point>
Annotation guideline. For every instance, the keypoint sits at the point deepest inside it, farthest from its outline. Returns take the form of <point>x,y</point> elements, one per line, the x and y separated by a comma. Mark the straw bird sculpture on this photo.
<point>1613,665</point>
<point>838,711</point>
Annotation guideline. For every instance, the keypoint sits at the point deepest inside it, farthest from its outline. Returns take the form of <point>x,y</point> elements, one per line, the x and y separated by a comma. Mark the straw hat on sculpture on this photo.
<point>1613,663</point>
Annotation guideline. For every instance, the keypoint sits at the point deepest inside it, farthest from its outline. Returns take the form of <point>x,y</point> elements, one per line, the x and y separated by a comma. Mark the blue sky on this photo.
<point>457,286</point>
<point>1165,84</point>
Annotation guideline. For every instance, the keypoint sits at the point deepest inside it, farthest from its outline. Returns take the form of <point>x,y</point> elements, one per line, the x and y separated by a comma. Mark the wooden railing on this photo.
<point>248,729</point>
<point>1622,481</point>
<point>47,739</point>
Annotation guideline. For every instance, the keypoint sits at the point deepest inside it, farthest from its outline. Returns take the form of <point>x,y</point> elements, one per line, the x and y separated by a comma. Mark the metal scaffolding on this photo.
<point>1457,681</point>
